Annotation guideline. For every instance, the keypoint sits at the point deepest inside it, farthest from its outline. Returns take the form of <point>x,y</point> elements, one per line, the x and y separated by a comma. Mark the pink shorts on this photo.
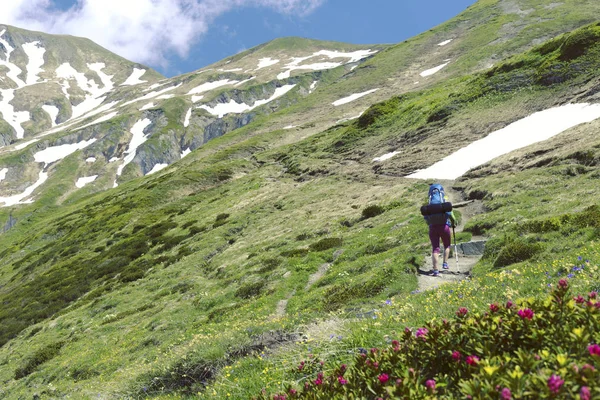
<point>437,232</point>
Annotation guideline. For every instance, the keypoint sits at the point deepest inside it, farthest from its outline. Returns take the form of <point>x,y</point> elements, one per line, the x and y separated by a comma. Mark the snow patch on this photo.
<point>185,152</point>
<point>386,156</point>
<point>23,145</point>
<point>106,79</point>
<point>157,168</point>
<point>233,107</point>
<point>266,62</point>
<point>205,87</point>
<point>52,112</point>
<point>55,153</point>
<point>289,127</point>
<point>535,128</point>
<point>18,199</point>
<point>313,86</point>
<point>3,174</point>
<point>445,42</point>
<point>151,95</point>
<point>196,99</point>
<point>134,78</point>
<point>231,70</point>
<point>136,141</point>
<point>81,182</point>
<point>104,118</point>
<point>353,97</point>
<point>433,70</point>
<point>91,160</point>
<point>244,81</point>
<point>13,71</point>
<point>186,123</point>
<point>36,61</point>
<point>114,159</point>
<point>147,106</point>
<point>14,118</point>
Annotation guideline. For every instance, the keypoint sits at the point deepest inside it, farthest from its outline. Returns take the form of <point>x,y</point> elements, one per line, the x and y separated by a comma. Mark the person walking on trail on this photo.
<point>439,228</point>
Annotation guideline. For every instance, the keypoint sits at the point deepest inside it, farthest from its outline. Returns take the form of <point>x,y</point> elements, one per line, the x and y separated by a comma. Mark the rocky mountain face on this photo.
<point>157,232</point>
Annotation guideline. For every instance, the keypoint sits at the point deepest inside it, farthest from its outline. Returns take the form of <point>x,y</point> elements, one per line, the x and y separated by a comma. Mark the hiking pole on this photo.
<point>455,250</point>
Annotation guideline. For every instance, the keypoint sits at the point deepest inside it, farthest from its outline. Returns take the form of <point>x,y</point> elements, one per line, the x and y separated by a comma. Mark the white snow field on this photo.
<point>234,107</point>
<point>157,168</point>
<point>188,116</point>
<point>36,61</point>
<point>386,156</point>
<point>240,83</point>
<point>104,118</point>
<point>296,61</point>
<point>535,128</point>
<point>90,160</point>
<point>147,107</point>
<point>196,99</point>
<point>17,199</point>
<point>52,112</point>
<point>134,78</point>
<point>353,97</point>
<point>23,145</point>
<point>55,153</point>
<point>13,71</point>
<point>445,42</point>
<point>205,87</point>
<point>433,70</point>
<point>14,118</point>
<point>185,152</point>
<point>81,182</point>
<point>3,174</point>
<point>136,141</point>
<point>151,95</point>
<point>266,62</point>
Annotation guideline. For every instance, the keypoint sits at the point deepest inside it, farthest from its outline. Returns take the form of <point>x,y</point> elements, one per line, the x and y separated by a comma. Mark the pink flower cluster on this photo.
<point>555,384</point>
<point>526,313</point>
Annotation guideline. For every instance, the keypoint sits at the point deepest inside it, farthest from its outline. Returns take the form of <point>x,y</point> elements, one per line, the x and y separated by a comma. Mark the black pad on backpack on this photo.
<point>431,209</point>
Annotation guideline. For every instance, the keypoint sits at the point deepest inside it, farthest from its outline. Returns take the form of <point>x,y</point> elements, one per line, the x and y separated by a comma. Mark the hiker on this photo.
<point>439,226</point>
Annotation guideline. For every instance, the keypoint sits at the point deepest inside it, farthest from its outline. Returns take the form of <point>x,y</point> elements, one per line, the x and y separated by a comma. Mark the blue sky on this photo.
<point>171,38</point>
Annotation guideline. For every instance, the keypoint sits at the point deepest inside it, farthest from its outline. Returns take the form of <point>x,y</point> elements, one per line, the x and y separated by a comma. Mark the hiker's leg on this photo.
<point>434,237</point>
<point>445,234</point>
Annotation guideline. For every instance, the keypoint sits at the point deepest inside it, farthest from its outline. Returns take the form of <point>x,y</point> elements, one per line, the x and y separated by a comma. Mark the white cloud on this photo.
<point>145,31</point>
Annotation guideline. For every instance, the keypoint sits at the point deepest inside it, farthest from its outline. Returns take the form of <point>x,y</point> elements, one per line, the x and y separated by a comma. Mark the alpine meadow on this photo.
<point>251,230</point>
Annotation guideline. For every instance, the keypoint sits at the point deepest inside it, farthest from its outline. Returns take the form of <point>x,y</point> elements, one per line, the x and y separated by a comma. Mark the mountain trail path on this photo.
<point>468,253</point>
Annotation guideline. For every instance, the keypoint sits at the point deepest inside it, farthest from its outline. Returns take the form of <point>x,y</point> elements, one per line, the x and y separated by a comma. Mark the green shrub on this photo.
<point>294,253</point>
<point>340,294</point>
<point>542,348</point>
<point>41,356</point>
<point>372,211</point>
<point>251,289</point>
<point>516,251</point>
<point>579,42</point>
<point>326,244</point>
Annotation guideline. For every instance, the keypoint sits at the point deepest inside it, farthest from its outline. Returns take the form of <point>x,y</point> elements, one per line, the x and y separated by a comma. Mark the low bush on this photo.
<point>41,356</point>
<point>542,348</point>
<point>372,211</point>
<point>326,244</point>
<point>516,251</point>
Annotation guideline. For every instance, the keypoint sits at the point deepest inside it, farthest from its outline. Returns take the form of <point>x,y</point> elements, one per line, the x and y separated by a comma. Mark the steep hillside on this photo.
<point>216,276</point>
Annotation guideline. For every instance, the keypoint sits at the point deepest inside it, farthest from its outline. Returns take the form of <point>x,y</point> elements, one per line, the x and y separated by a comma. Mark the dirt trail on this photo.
<point>462,269</point>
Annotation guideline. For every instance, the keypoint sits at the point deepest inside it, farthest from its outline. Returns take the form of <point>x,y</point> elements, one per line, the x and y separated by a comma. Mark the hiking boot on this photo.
<point>435,272</point>
<point>445,266</point>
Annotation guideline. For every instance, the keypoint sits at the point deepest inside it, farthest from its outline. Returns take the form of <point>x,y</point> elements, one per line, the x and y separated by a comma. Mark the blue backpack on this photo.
<point>435,211</point>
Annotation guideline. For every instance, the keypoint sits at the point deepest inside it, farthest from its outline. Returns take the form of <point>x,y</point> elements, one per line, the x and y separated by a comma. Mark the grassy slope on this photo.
<point>207,291</point>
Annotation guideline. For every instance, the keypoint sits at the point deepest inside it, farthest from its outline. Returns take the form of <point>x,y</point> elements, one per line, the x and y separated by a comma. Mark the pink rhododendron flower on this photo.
<point>383,378</point>
<point>456,356</point>
<point>579,299</point>
<point>430,385</point>
<point>509,304</point>
<point>526,313</point>
<point>594,350</point>
<point>506,394</point>
<point>422,332</point>
<point>462,312</point>
<point>555,383</point>
<point>585,393</point>
<point>593,295</point>
<point>494,307</point>
<point>472,360</point>
<point>341,380</point>
<point>563,284</point>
